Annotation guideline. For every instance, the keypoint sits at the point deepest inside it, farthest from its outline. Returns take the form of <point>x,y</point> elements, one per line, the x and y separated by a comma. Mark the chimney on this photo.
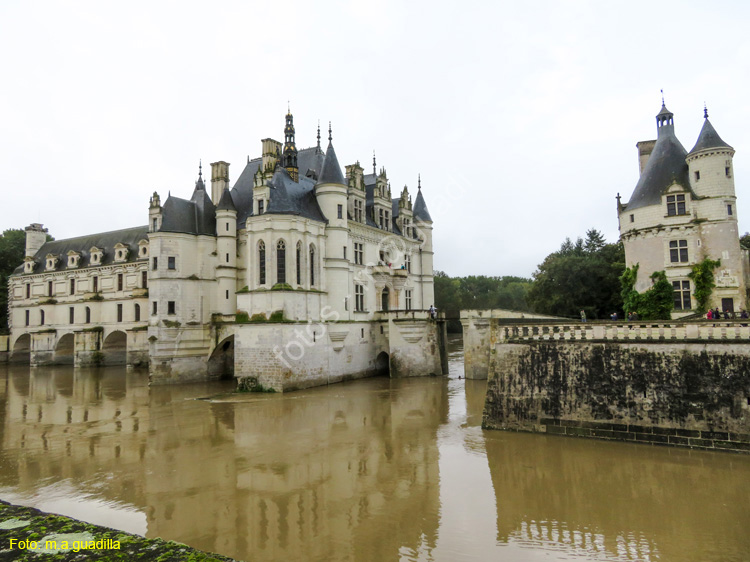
<point>219,180</point>
<point>36,236</point>
<point>644,152</point>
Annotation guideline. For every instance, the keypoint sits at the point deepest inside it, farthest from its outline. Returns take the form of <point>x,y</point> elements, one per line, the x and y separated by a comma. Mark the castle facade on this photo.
<point>683,210</point>
<point>300,274</point>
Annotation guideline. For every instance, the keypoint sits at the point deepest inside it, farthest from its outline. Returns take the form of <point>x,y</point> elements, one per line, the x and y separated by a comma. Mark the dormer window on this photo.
<point>676,205</point>
<point>74,259</point>
<point>143,249</point>
<point>51,262</point>
<point>121,252</point>
<point>97,255</point>
<point>28,266</point>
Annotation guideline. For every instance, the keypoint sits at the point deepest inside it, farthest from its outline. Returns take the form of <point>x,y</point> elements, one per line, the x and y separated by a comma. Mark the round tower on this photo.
<point>226,250</point>
<point>331,192</point>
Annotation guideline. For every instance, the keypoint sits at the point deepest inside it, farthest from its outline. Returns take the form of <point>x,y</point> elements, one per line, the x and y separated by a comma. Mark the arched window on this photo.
<point>137,312</point>
<point>312,265</point>
<point>385,296</point>
<point>299,263</point>
<point>262,262</point>
<point>41,318</point>
<point>280,262</point>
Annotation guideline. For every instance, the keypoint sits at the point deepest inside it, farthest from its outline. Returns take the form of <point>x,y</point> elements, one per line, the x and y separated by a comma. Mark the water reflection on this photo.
<point>368,470</point>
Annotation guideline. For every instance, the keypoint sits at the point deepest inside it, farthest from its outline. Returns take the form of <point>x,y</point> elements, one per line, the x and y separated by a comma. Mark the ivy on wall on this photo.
<point>702,276</point>
<point>654,304</point>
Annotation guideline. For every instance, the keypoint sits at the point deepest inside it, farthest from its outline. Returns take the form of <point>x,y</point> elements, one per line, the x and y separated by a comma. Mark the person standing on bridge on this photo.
<point>583,315</point>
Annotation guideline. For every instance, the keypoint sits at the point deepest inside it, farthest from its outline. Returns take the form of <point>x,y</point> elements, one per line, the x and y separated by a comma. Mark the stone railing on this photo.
<point>513,331</point>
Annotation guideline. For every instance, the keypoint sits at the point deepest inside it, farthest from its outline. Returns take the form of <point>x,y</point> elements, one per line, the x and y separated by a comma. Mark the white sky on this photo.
<point>522,117</point>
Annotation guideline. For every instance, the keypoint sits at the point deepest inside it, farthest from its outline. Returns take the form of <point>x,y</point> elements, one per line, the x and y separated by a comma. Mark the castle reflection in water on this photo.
<point>377,469</point>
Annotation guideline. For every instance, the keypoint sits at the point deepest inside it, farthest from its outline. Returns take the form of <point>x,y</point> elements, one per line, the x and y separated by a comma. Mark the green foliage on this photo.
<point>282,287</point>
<point>584,275</point>
<point>96,297</point>
<point>478,292</point>
<point>243,317</point>
<point>12,251</point>
<point>703,280</point>
<point>745,241</point>
<point>277,316</point>
<point>172,323</point>
<point>653,304</point>
<point>244,289</point>
<point>97,358</point>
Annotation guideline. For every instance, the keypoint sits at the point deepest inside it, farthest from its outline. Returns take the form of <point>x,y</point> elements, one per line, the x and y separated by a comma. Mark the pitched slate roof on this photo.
<point>708,138</point>
<point>106,241</point>
<point>665,166</point>
<point>226,203</point>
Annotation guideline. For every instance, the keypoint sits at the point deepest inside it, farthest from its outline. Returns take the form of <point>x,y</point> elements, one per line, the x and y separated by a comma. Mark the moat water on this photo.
<point>369,470</point>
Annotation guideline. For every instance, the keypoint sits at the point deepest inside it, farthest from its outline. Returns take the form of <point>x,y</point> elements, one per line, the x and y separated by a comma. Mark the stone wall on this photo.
<point>684,384</point>
<point>4,349</point>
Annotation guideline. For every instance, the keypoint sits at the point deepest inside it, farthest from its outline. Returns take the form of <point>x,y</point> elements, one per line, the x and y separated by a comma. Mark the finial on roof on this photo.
<point>200,170</point>
<point>419,181</point>
<point>662,97</point>
<point>288,108</point>
<point>318,133</point>
<point>330,136</point>
<point>374,166</point>
<point>705,111</point>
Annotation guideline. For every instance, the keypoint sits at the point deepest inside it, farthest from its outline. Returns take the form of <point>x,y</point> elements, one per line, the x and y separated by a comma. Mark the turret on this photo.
<point>36,236</point>
<point>382,207</point>
<point>226,250</point>
<point>331,192</point>
<point>405,214</point>
<point>423,224</point>
<point>710,165</point>
<point>357,194</point>
<point>219,180</point>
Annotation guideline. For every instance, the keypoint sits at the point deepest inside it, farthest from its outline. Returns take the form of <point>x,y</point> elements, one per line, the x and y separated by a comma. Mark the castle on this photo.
<point>683,210</point>
<point>298,275</point>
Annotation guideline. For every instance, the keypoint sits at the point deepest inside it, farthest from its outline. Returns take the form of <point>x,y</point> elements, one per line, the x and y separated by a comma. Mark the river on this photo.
<point>369,470</point>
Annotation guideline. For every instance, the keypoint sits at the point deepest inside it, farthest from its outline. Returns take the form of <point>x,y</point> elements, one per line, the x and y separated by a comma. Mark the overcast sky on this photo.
<point>521,117</point>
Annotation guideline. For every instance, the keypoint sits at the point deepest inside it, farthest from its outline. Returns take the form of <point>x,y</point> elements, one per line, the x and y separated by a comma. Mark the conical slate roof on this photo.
<point>331,172</point>
<point>708,138</point>
<point>226,203</point>
<point>420,208</point>
<point>665,166</point>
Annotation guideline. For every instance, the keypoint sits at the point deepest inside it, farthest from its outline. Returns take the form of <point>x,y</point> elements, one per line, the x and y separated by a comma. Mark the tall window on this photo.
<point>407,262</point>
<point>407,295</point>
<point>729,210</point>
<point>72,286</point>
<point>88,315</point>
<point>154,308</point>
<point>359,253</point>
<point>155,264</point>
<point>681,295</point>
<point>49,288</point>
<point>72,314</point>
<point>678,251</point>
<point>119,281</point>
<point>28,290</point>
<point>96,283</point>
<point>280,262</point>
<point>359,298</point>
<point>171,263</point>
<point>299,263</point>
<point>387,221</point>
<point>41,318</point>
<point>358,213</point>
<point>676,205</point>
<point>28,314</point>
<point>262,262</point>
<point>137,312</point>
<point>171,309</point>
<point>119,312</point>
<point>340,211</point>
<point>380,217</point>
<point>144,279</point>
<point>312,265</point>
<point>260,206</point>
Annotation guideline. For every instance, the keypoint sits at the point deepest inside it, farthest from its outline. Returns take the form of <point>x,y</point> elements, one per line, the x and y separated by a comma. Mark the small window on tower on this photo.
<point>697,175</point>
<point>632,218</point>
<point>729,210</point>
<point>341,211</point>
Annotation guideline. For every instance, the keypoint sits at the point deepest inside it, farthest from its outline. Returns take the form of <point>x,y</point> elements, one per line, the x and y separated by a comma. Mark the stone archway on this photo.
<point>115,349</point>
<point>21,350</point>
<point>65,350</point>
<point>221,362</point>
<point>382,364</point>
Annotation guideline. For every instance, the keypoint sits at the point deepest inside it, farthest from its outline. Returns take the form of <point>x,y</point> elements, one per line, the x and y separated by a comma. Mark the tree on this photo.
<point>584,275</point>
<point>12,250</point>
<point>745,241</point>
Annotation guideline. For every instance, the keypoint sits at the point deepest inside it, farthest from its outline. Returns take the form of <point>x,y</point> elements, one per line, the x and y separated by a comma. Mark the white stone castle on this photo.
<point>684,209</point>
<point>296,276</point>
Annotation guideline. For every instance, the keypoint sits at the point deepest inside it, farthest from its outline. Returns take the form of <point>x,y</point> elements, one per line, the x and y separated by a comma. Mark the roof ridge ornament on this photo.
<point>330,136</point>
<point>374,165</point>
<point>419,182</point>
<point>662,97</point>
<point>705,111</point>
<point>318,133</point>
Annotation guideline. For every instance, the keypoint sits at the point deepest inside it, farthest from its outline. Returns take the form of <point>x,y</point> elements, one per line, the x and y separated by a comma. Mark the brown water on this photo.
<point>370,470</point>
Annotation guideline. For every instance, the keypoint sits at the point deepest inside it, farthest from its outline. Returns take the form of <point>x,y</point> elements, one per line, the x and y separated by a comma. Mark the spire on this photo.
<point>664,120</point>
<point>199,184</point>
<point>419,182</point>
<point>374,166</point>
<point>708,137</point>
<point>289,160</point>
<point>318,135</point>
<point>705,111</point>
